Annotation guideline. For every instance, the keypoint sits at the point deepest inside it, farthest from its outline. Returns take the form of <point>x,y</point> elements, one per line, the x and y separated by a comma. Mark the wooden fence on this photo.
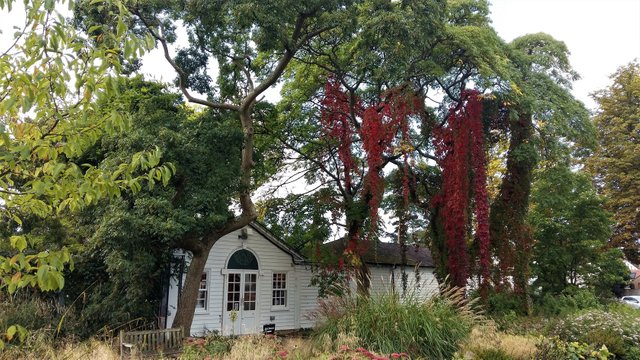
<point>151,342</point>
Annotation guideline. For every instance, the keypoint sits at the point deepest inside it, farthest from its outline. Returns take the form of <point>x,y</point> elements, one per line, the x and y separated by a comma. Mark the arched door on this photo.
<point>240,294</point>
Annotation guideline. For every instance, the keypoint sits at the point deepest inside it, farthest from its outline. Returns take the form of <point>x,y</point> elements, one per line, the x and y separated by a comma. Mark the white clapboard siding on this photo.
<point>385,278</point>
<point>271,259</point>
<point>302,298</point>
<point>308,296</point>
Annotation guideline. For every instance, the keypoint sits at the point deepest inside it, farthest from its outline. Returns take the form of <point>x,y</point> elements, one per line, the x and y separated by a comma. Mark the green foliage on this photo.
<point>212,345</point>
<point>52,85</point>
<point>126,255</point>
<point>616,164</point>
<point>571,232</point>
<point>504,303</point>
<point>299,220</point>
<point>554,348</point>
<point>569,301</point>
<point>541,86</point>
<point>14,333</point>
<point>618,329</point>
<point>387,324</point>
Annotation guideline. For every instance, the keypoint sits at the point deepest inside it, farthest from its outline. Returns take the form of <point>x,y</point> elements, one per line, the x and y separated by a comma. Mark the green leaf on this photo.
<point>18,242</point>
<point>11,331</point>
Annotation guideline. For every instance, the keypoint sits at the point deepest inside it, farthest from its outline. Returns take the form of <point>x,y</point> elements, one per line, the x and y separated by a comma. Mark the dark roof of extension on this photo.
<point>382,253</point>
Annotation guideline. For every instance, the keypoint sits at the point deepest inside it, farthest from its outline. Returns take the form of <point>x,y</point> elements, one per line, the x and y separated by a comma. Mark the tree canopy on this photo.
<point>51,83</point>
<point>571,233</point>
<point>616,162</point>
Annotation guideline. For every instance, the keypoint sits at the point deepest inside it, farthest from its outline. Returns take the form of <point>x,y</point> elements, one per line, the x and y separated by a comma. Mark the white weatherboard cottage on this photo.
<point>252,280</point>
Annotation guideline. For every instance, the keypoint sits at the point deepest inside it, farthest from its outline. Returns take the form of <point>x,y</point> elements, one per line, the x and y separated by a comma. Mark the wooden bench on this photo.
<point>150,342</point>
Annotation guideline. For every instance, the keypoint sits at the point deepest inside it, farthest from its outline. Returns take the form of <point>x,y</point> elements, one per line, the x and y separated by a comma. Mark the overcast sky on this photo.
<point>602,35</point>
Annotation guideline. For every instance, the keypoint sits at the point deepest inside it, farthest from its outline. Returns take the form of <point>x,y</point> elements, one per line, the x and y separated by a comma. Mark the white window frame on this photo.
<point>282,286</point>
<point>201,309</point>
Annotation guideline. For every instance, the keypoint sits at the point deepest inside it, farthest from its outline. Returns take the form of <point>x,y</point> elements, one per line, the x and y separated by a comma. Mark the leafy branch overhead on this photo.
<point>52,86</point>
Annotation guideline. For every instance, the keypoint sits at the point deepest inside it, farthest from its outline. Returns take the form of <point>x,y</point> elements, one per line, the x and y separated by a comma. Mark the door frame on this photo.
<point>226,272</point>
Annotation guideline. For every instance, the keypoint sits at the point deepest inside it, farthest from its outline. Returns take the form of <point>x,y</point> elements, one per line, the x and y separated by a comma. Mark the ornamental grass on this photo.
<point>391,324</point>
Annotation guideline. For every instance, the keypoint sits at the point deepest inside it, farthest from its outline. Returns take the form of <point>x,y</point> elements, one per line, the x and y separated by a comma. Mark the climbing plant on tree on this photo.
<point>382,129</point>
<point>404,46</point>
<point>542,119</point>
<point>461,153</point>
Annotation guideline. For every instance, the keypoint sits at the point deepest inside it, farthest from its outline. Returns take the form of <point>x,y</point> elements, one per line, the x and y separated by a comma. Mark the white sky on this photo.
<point>602,35</point>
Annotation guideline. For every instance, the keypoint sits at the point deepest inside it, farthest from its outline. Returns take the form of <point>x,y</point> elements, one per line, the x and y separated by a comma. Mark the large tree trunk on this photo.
<point>188,297</point>
<point>438,244</point>
<point>509,233</point>
<point>357,261</point>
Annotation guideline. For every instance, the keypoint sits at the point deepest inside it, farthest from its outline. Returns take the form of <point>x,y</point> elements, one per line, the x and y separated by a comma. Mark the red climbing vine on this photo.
<point>481,199</point>
<point>383,130</point>
<point>460,149</point>
<point>337,125</point>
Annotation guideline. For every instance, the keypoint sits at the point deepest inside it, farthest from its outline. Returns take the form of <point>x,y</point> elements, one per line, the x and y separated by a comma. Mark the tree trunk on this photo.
<point>363,278</point>
<point>188,297</point>
<point>509,234</point>
<point>438,244</point>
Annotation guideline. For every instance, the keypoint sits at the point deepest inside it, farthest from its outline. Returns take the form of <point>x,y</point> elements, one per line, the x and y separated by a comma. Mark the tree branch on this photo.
<point>182,76</point>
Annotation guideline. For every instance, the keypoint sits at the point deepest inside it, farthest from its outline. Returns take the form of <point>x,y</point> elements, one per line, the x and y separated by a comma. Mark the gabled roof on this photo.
<point>380,253</point>
<point>262,230</point>
<point>384,253</point>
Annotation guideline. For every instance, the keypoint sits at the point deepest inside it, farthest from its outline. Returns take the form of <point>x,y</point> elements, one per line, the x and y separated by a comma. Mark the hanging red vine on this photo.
<point>481,199</point>
<point>460,148</point>
<point>337,125</point>
<point>380,127</point>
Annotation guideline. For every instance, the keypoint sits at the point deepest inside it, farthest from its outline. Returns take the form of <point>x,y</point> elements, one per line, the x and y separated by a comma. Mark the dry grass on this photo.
<point>91,349</point>
<point>486,337</point>
<point>260,347</point>
<point>252,347</point>
<point>324,344</point>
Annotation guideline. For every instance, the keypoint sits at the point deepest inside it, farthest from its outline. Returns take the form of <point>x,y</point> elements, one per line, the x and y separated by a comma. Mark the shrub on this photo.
<point>554,348</point>
<point>618,329</point>
<point>208,346</point>
<point>388,324</point>
<point>32,314</point>
<point>500,304</point>
<point>571,300</point>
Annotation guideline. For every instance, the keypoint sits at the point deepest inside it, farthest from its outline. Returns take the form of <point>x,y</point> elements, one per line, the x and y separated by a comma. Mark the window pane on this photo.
<point>201,302</point>
<point>279,292</point>
<point>233,292</point>
<point>243,259</point>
